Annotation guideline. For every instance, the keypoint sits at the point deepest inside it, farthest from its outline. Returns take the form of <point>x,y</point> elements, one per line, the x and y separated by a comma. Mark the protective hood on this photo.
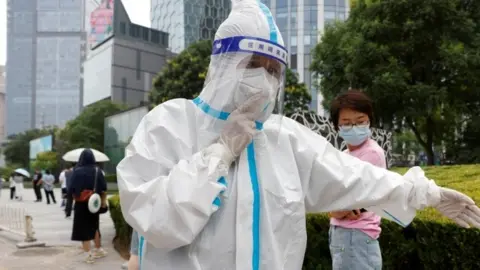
<point>248,57</point>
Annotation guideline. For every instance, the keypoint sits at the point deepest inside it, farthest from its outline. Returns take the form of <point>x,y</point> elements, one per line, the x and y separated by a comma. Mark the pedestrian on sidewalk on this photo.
<point>12,186</point>
<point>48,186</point>
<point>85,180</point>
<point>37,183</point>
<point>63,184</point>
<point>68,198</point>
<point>18,179</point>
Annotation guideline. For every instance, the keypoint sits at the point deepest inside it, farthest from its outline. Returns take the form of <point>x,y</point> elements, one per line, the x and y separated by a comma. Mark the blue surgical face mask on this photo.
<point>355,135</point>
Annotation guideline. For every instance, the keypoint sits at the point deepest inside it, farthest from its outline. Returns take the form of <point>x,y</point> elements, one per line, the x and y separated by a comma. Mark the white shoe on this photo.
<point>99,253</point>
<point>89,258</point>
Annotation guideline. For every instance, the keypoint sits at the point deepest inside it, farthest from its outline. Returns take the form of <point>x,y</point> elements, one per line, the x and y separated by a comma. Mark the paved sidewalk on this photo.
<point>50,226</point>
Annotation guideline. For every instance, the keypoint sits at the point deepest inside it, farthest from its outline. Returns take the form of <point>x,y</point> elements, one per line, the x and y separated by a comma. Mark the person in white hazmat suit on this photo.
<point>220,183</point>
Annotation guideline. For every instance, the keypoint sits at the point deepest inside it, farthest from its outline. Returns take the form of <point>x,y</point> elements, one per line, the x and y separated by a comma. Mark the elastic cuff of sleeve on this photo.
<point>220,151</point>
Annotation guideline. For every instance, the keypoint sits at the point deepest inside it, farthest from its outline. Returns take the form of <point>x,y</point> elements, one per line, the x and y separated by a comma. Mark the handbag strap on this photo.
<point>95,183</point>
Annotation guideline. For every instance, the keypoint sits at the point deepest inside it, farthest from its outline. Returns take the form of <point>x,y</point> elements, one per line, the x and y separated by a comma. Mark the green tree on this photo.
<point>46,161</point>
<point>297,97</point>
<point>465,147</point>
<point>405,143</point>
<point>418,60</point>
<point>184,75</point>
<point>17,150</point>
<point>87,129</point>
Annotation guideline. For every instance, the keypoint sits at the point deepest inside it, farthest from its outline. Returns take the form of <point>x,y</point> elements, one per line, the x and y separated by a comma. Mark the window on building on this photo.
<point>306,40</point>
<point>155,37</point>
<point>282,3</point>
<point>293,61</point>
<point>310,3</point>
<point>293,41</point>
<point>293,20</point>
<point>145,34</point>
<point>329,15</point>
<point>134,30</point>
<point>330,2</point>
<point>282,20</point>
<point>123,28</point>
<point>165,40</point>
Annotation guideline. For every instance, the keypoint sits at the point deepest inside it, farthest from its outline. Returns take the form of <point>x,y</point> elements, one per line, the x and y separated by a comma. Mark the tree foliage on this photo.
<point>17,150</point>
<point>418,60</point>
<point>87,129</point>
<point>184,75</point>
<point>465,148</point>
<point>297,97</point>
<point>46,161</point>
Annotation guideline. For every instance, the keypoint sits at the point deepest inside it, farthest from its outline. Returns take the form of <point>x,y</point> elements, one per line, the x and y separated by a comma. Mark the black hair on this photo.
<point>353,99</point>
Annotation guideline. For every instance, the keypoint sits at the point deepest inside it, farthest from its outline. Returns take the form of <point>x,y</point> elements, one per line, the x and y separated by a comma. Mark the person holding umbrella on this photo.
<point>73,156</point>
<point>18,178</point>
<point>86,181</point>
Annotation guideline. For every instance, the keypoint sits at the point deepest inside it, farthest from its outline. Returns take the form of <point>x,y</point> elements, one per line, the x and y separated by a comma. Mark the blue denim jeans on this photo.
<point>352,249</point>
<point>134,244</point>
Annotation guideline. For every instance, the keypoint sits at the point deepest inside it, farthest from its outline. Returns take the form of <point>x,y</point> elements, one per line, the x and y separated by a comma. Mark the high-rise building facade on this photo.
<point>43,62</point>
<point>302,23</point>
<point>123,57</point>
<point>188,21</point>
<point>3,110</point>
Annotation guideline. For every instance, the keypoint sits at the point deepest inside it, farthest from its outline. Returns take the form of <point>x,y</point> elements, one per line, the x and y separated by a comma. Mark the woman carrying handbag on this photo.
<point>87,186</point>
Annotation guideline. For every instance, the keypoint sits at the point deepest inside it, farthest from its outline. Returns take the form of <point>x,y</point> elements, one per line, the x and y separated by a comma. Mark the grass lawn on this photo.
<point>464,178</point>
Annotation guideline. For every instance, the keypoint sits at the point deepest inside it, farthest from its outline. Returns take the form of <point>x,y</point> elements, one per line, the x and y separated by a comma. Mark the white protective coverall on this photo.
<point>196,210</point>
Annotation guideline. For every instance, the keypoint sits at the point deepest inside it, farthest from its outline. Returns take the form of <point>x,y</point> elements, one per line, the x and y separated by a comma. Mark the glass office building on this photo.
<point>301,23</point>
<point>43,63</point>
<point>119,129</point>
<point>188,21</point>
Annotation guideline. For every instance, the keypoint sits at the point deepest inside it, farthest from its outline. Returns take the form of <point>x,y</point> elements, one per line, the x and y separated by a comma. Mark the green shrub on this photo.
<point>423,245</point>
<point>111,178</point>
<point>123,231</point>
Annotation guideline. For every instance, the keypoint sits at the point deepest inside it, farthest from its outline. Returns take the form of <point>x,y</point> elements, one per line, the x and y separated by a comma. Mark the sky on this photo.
<point>3,31</point>
<point>138,10</point>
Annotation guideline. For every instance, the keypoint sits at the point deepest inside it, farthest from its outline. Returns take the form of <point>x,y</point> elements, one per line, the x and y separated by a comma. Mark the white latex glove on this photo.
<point>458,207</point>
<point>240,125</point>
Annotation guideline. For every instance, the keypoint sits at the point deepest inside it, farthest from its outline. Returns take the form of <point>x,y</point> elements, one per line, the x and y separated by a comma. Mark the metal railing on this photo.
<point>16,220</point>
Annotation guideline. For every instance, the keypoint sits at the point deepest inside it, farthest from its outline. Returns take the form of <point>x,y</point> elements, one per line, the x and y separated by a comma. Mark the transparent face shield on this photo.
<point>240,69</point>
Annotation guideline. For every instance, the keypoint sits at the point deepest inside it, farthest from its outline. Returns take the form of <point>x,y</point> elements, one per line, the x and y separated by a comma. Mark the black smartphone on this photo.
<point>363,210</point>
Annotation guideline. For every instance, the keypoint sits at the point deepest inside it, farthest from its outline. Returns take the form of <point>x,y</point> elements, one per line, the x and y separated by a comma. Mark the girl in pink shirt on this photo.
<point>353,234</point>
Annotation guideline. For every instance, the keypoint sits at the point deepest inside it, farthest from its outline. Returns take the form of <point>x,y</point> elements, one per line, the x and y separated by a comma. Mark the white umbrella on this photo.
<point>74,155</point>
<point>23,172</point>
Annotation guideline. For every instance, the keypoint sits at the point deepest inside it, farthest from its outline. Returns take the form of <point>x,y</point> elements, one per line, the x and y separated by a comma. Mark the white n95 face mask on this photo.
<point>252,82</point>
